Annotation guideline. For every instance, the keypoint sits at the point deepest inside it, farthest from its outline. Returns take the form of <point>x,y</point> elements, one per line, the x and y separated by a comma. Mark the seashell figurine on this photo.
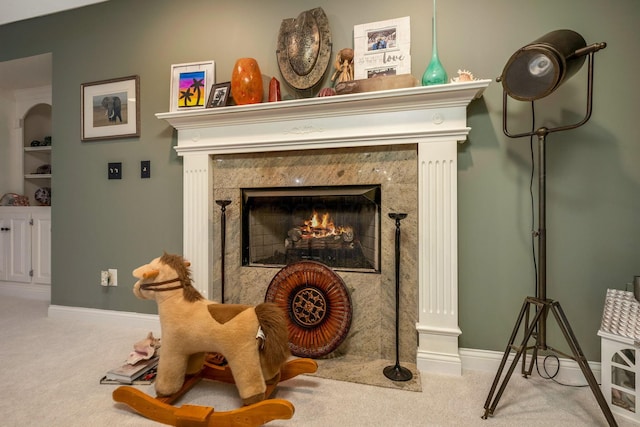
<point>463,76</point>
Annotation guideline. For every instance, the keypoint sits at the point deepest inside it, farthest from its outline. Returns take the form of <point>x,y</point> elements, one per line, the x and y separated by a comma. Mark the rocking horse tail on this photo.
<point>274,351</point>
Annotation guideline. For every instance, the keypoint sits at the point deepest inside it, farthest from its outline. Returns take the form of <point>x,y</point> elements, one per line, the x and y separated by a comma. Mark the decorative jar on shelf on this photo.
<point>246,82</point>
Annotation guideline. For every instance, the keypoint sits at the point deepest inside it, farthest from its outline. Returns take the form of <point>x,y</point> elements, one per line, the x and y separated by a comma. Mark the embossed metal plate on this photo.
<point>304,48</point>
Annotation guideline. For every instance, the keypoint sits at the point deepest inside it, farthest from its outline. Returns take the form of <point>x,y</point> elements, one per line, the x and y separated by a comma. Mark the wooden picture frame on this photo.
<point>191,85</point>
<point>110,109</point>
<point>219,95</point>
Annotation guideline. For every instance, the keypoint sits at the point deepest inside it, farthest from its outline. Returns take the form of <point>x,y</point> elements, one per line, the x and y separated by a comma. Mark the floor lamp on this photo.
<point>532,73</point>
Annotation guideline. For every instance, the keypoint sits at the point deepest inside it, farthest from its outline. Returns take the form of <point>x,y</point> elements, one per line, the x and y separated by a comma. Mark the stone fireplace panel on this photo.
<point>372,332</point>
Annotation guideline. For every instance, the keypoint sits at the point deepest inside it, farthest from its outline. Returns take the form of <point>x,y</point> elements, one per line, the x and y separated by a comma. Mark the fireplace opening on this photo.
<point>338,226</point>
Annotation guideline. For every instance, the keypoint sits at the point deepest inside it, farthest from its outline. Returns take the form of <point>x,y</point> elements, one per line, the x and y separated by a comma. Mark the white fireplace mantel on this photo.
<point>432,117</point>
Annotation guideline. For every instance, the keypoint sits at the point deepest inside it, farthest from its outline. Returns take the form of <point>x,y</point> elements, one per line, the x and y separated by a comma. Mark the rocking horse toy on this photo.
<point>252,339</point>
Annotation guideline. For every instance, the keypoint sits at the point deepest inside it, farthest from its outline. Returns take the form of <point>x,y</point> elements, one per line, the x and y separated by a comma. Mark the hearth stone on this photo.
<point>372,333</point>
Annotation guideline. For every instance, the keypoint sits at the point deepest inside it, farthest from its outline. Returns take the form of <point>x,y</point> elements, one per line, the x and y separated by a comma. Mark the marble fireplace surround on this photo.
<point>332,138</point>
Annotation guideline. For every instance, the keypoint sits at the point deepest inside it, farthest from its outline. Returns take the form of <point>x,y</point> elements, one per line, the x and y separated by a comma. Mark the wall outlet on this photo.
<point>104,278</point>
<point>113,277</point>
<point>109,277</point>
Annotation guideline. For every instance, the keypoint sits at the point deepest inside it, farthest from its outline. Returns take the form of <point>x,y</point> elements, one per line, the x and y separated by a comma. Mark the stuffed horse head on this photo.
<point>166,273</point>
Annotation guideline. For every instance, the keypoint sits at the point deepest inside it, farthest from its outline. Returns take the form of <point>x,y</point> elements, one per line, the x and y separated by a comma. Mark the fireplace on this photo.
<point>278,142</point>
<point>338,226</point>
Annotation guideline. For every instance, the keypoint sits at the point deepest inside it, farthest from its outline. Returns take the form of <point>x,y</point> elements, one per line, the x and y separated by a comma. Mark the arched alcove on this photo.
<point>36,138</point>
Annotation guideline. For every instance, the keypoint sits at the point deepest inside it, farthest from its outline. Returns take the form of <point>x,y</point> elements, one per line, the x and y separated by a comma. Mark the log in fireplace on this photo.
<point>338,226</point>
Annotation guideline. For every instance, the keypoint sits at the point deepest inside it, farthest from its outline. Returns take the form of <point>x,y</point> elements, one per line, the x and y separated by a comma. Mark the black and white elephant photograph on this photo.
<point>110,110</point>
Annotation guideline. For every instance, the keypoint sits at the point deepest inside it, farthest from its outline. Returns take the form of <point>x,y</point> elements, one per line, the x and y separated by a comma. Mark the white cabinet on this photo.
<point>25,244</point>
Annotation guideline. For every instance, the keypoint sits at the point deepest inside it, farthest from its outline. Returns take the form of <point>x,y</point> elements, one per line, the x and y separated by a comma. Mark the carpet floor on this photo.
<point>51,369</point>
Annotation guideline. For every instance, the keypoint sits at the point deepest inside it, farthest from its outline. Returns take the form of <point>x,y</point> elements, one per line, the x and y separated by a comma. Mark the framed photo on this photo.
<point>382,48</point>
<point>219,95</point>
<point>111,109</point>
<point>189,83</point>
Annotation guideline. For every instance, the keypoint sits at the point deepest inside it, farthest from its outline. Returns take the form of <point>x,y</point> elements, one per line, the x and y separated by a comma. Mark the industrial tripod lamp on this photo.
<point>532,73</point>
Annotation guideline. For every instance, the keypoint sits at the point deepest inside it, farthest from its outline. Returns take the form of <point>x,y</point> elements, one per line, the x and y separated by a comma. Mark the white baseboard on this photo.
<point>122,318</point>
<point>435,363</point>
<point>26,290</point>
<point>569,373</point>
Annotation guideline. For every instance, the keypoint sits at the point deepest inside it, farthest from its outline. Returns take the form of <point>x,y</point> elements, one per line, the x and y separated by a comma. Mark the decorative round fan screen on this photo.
<point>317,304</point>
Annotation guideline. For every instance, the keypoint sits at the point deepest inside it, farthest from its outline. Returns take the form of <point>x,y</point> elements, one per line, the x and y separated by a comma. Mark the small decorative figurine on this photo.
<point>343,66</point>
<point>274,90</point>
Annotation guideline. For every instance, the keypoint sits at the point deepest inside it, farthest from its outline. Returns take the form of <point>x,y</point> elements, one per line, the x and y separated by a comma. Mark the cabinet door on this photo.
<point>17,245</point>
<point>41,248</point>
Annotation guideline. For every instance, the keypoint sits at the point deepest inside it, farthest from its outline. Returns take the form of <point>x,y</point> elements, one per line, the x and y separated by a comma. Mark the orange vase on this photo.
<point>246,82</point>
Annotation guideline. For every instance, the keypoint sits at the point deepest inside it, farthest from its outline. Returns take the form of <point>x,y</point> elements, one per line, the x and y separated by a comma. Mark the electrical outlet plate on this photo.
<point>104,278</point>
<point>113,277</point>
<point>109,277</point>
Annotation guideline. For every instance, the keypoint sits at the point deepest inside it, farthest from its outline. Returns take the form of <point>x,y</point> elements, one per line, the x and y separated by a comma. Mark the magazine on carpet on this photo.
<point>142,372</point>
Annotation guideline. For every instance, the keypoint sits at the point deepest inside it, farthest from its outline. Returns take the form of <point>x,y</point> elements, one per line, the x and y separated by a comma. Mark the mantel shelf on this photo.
<point>406,99</point>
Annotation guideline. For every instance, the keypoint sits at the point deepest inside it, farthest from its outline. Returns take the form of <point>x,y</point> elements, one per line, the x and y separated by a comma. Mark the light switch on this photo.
<point>114,171</point>
<point>145,169</point>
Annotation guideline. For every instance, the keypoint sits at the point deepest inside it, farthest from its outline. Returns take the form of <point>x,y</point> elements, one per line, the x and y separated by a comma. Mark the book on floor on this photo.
<point>128,373</point>
<point>145,379</point>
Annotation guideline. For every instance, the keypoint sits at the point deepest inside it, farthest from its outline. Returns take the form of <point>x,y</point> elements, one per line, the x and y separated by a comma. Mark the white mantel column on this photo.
<point>197,232</point>
<point>437,325</point>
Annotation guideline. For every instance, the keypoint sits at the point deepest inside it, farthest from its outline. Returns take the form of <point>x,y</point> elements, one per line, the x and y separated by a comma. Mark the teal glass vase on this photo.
<point>435,74</point>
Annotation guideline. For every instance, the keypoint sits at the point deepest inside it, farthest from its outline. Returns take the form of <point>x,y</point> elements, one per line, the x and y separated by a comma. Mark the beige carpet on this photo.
<point>51,368</point>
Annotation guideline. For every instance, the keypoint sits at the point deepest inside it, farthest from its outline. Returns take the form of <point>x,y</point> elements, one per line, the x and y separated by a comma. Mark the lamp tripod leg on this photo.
<point>526,372</point>
<point>581,360</point>
<point>543,308</point>
<point>492,401</point>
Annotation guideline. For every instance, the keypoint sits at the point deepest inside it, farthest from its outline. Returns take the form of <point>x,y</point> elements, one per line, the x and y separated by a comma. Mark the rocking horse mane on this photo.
<point>177,263</point>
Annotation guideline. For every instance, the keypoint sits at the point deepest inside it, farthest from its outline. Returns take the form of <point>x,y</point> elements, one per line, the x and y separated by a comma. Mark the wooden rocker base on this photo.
<point>160,409</point>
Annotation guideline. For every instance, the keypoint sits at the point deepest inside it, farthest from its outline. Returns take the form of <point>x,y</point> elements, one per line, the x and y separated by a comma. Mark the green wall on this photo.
<point>593,174</point>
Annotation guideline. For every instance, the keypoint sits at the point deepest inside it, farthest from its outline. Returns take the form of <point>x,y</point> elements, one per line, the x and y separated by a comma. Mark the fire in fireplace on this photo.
<point>336,225</point>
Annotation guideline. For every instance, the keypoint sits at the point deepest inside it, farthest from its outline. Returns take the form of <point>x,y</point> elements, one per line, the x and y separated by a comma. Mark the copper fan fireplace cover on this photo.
<point>318,306</point>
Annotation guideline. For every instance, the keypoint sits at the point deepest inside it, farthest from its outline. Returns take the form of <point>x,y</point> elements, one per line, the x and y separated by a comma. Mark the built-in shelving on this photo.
<point>37,126</point>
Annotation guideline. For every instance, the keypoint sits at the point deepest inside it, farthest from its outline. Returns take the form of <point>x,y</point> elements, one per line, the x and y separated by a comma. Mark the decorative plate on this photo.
<point>317,304</point>
<point>43,196</point>
<point>304,48</point>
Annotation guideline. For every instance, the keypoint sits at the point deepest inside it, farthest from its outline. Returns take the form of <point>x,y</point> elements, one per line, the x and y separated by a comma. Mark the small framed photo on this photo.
<point>110,109</point>
<point>219,95</point>
<point>189,83</point>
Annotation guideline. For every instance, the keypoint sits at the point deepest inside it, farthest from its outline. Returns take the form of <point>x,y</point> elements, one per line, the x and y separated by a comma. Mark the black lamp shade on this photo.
<point>537,69</point>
